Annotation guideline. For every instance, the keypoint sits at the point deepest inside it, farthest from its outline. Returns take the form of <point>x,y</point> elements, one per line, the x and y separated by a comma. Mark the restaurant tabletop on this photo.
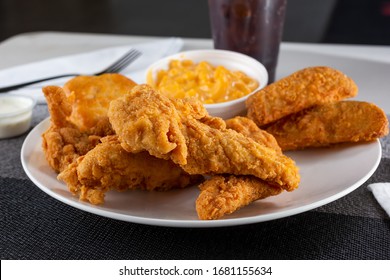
<point>35,225</point>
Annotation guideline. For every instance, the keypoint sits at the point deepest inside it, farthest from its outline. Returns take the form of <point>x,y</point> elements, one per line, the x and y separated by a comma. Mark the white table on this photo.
<point>369,66</point>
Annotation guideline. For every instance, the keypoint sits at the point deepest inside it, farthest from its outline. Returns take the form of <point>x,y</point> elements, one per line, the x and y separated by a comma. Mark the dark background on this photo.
<point>325,21</point>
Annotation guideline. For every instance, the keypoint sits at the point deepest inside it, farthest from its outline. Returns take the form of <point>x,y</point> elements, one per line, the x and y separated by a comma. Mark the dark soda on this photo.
<point>251,27</point>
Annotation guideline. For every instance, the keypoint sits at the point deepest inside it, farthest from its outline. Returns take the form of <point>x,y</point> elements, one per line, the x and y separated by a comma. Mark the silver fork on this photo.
<point>116,67</point>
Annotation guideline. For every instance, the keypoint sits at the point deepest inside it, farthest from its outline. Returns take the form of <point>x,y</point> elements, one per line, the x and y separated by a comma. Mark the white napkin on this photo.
<point>381,192</point>
<point>87,63</point>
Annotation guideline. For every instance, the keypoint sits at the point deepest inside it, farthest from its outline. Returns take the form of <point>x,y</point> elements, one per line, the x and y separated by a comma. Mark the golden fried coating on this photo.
<point>63,145</point>
<point>109,167</point>
<point>91,169</point>
<point>78,116</point>
<point>248,128</point>
<point>179,130</point>
<point>90,96</point>
<point>346,121</point>
<point>58,106</point>
<point>222,195</point>
<point>303,89</point>
<point>62,142</point>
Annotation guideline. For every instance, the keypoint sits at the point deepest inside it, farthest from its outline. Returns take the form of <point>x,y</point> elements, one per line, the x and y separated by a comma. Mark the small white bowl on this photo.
<point>230,60</point>
<point>15,115</point>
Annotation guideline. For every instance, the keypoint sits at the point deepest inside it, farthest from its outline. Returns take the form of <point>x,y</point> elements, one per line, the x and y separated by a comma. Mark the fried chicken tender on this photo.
<point>78,114</point>
<point>222,195</point>
<point>62,142</point>
<point>63,145</point>
<point>109,167</point>
<point>248,128</point>
<point>346,121</point>
<point>90,96</point>
<point>180,130</point>
<point>303,89</point>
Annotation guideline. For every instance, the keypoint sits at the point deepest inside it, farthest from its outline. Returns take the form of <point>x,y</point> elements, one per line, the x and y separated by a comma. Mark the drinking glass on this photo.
<point>251,27</point>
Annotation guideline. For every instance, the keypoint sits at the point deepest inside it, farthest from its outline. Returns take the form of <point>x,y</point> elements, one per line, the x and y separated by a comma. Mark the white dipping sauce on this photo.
<point>15,115</point>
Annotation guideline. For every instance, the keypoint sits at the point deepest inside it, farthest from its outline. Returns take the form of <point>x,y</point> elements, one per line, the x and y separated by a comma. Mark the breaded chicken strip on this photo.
<point>347,121</point>
<point>222,195</point>
<point>63,145</point>
<point>62,142</point>
<point>109,167</point>
<point>301,90</point>
<point>248,128</point>
<point>180,130</point>
<point>78,114</point>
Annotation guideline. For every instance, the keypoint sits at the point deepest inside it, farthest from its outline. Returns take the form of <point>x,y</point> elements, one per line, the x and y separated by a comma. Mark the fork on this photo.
<point>116,67</point>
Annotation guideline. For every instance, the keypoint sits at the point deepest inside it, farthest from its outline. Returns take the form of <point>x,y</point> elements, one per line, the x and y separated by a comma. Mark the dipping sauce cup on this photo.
<point>15,115</point>
<point>251,27</point>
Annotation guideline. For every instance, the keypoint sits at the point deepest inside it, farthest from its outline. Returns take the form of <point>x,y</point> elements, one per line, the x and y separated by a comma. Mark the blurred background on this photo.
<point>325,21</point>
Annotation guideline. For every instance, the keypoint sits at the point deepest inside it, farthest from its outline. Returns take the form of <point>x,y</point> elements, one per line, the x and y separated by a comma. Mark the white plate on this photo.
<point>326,175</point>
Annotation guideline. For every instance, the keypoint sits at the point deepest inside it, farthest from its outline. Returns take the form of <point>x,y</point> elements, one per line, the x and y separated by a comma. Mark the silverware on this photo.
<point>116,67</point>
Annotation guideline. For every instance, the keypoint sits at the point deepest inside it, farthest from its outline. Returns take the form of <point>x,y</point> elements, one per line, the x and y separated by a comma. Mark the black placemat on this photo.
<point>36,226</point>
